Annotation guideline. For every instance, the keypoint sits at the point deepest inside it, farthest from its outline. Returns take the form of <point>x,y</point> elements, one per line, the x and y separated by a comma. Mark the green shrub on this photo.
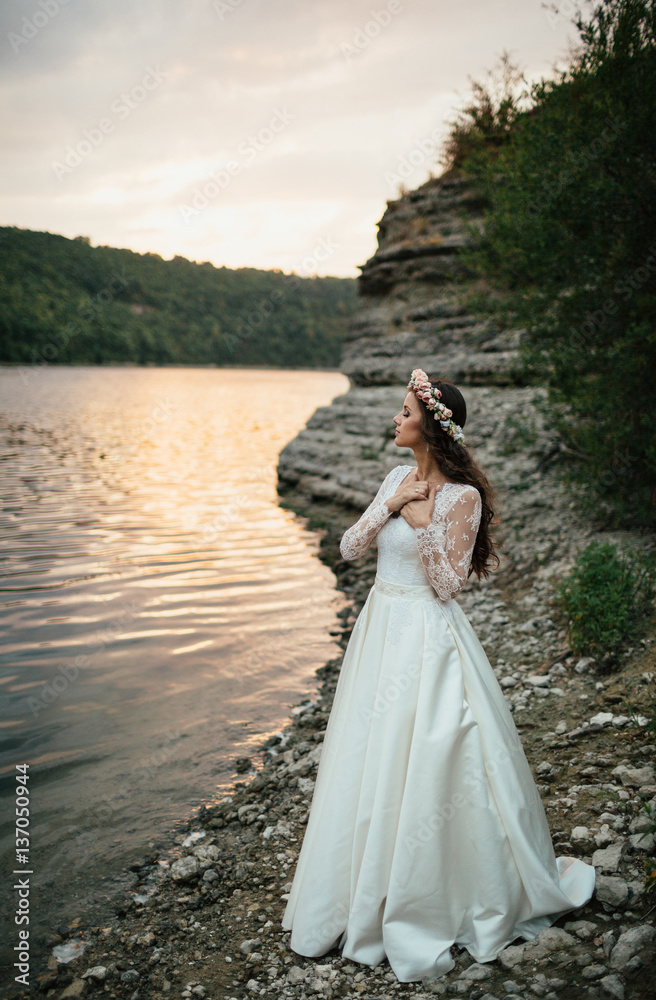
<point>568,191</point>
<point>606,599</point>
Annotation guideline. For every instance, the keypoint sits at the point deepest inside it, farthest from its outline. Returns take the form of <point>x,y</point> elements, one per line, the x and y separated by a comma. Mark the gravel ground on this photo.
<point>203,917</point>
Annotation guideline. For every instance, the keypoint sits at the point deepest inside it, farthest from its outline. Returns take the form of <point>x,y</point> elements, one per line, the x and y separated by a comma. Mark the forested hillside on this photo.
<point>63,301</point>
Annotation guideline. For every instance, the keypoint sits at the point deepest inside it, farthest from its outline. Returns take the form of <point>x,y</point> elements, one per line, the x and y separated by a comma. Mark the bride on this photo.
<point>426,829</point>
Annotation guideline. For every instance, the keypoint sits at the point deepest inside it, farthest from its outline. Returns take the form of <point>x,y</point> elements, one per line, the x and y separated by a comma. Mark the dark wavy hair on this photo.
<point>457,463</point>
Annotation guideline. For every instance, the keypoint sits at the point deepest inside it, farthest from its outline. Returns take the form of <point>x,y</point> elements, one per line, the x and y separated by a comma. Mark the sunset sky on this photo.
<point>262,133</point>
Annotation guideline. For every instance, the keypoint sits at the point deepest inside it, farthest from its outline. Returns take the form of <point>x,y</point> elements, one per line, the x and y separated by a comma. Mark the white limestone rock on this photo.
<point>612,890</point>
<point>184,869</point>
<point>607,859</point>
<point>548,940</point>
<point>640,940</point>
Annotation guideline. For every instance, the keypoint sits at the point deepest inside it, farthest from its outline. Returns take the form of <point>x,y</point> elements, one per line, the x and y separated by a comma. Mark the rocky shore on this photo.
<point>203,919</point>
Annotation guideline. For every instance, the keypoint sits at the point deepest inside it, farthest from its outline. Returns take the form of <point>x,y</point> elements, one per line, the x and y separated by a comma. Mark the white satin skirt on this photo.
<point>426,827</point>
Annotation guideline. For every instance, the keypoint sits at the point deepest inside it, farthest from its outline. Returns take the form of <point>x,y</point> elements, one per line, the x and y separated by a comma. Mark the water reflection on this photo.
<point>161,611</point>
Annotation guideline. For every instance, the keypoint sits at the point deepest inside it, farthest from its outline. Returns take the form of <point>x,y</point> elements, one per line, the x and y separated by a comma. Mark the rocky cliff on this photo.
<point>413,315</point>
<point>412,287</point>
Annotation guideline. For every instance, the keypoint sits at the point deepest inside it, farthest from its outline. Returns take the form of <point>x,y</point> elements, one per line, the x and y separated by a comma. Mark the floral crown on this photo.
<point>430,395</point>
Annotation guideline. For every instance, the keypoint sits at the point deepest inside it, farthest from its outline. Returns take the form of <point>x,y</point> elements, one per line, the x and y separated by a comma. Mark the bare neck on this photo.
<point>428,469</point>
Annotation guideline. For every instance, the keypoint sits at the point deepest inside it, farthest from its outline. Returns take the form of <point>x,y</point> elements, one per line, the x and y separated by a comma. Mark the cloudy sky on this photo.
<point>263,133</point>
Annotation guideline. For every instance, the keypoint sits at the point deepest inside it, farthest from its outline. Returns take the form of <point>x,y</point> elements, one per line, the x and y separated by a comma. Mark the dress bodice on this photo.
<point>444,546</point>
<point>399,560</point>
<point>398,557</point>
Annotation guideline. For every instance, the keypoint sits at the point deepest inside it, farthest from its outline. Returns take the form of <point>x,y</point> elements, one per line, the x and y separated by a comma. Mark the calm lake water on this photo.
<point>161,612</point>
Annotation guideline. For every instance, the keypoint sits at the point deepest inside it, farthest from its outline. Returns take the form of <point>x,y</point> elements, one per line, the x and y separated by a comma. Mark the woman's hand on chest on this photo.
<point>419,513</point>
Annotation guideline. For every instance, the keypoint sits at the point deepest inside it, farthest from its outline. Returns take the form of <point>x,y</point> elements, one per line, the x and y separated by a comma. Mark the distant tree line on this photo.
<point>63,301</point>
<point>567,172</point>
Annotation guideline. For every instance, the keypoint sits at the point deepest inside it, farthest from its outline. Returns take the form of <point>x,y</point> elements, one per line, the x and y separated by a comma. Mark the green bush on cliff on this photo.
<point>606,600</point>
<point>569,246</point>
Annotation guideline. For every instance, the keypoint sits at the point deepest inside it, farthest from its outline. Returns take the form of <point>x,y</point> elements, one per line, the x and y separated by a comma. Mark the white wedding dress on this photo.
<point>426,827</point>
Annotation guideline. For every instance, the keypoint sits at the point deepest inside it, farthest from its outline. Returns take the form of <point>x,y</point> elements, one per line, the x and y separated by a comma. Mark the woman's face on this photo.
<point>407,422</point>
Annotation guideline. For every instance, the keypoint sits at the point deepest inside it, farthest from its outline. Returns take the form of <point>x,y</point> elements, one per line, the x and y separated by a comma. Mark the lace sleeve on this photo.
<point>446,546</point>
<point>357,539</point>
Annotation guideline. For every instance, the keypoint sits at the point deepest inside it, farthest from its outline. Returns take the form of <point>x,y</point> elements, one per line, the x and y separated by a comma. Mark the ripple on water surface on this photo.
<point>161,611</point>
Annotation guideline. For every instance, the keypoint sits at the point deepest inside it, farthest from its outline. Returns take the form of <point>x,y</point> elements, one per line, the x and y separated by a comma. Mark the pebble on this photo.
<point>632,942</point>
<point>584,929</point>
<point>74,990</point>
<point>635,776</point>
<point>594,971</point>
<point>602,719</point>
<point>475,972</point>
<point>548,940</point>
<point>612,987</point>
<point>538,680</point>
<point>249,946</point>
<point>643,842</point>
<point>607,859</point>
<point>296,975</point>
<point>98,972</point>
<point>612,890</point>
<point>185,869</point>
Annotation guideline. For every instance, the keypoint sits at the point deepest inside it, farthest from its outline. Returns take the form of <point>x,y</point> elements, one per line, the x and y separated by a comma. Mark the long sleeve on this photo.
<point>446,547</point>
<point>357,539</point>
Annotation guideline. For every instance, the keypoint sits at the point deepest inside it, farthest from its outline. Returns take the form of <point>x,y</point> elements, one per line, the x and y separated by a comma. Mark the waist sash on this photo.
<point>413,592</point>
